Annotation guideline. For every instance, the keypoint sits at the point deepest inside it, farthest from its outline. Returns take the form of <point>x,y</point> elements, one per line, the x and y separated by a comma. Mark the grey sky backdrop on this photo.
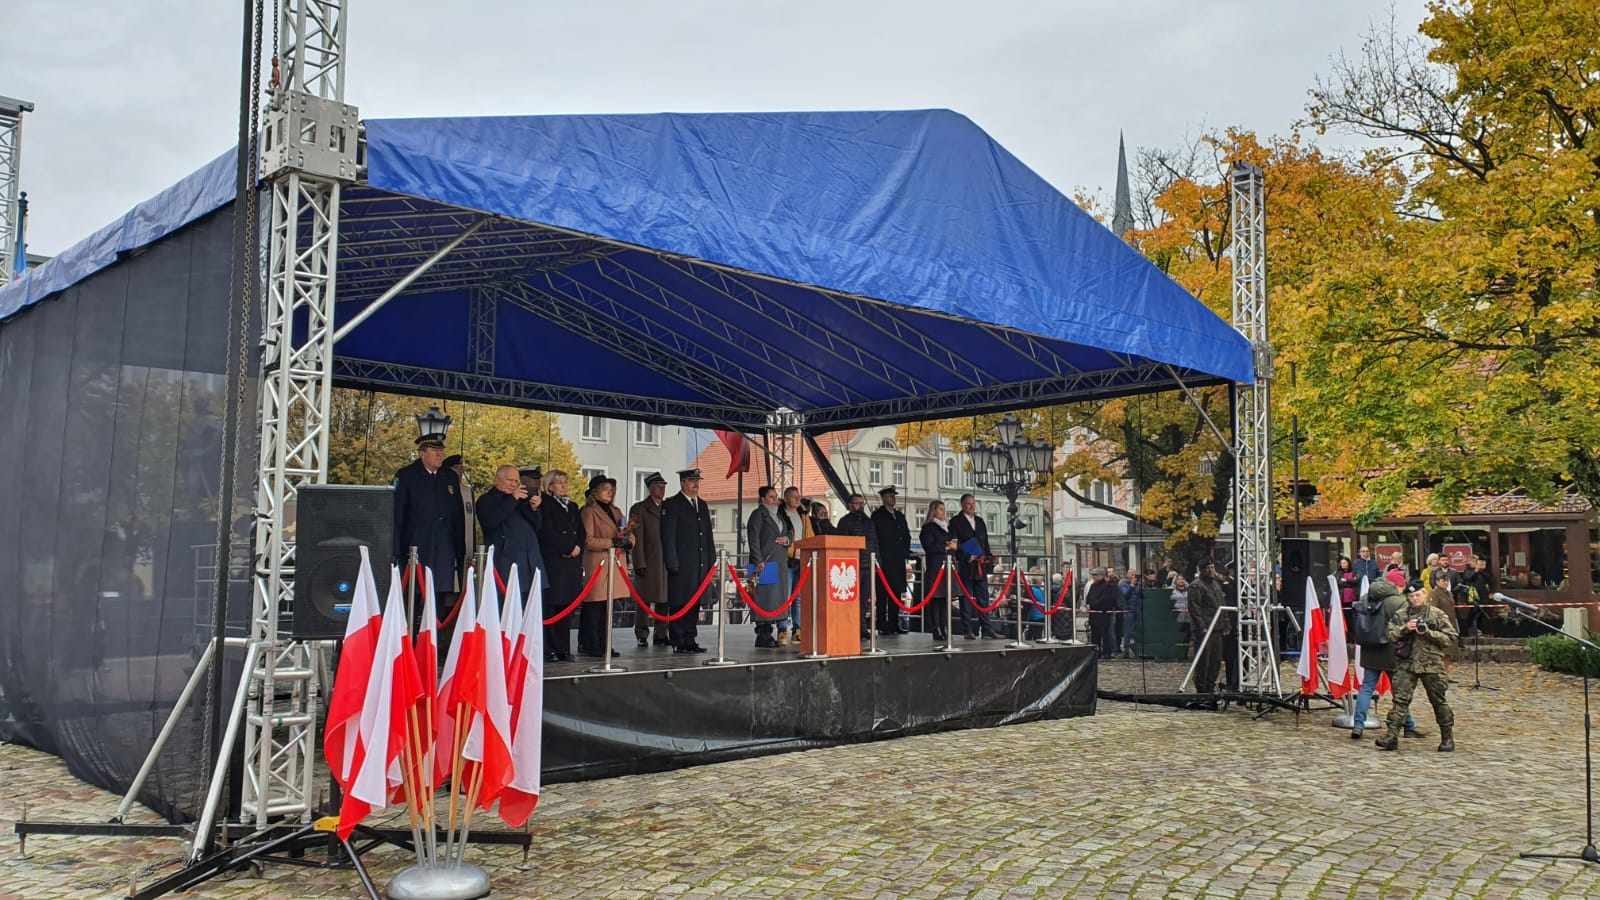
<point>134,94</point>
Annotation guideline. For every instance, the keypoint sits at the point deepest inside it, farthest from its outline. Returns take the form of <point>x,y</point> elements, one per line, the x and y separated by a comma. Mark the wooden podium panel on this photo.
<point>830,623</point>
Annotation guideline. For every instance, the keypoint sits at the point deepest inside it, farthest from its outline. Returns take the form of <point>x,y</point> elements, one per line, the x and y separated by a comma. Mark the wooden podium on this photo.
<point>830,621</point>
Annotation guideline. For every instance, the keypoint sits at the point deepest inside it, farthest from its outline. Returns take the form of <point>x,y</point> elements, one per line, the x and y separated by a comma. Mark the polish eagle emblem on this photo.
<point>843,581</point>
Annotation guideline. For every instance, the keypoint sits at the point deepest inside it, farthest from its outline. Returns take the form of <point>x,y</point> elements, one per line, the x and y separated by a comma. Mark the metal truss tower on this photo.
<point>10,181</point>
<point>309,150</point>
<point>1252,437</point>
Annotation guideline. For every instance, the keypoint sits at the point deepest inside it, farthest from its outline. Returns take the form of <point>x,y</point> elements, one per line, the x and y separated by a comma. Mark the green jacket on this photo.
<point>1427,650</point>
<point>1381,656</point>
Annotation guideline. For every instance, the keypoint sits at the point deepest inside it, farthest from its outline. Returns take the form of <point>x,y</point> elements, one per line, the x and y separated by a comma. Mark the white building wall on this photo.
<point>626,451</point>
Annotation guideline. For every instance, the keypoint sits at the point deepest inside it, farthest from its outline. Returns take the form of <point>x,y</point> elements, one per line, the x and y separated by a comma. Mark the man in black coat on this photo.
<point>689,553</point>
<point>856,523</point>
<point>973,558</point>
<point>561,545</point>
<point>427,515</point>
<point>894,548</point>
<point>1104,599</point>
<point>509,515</point>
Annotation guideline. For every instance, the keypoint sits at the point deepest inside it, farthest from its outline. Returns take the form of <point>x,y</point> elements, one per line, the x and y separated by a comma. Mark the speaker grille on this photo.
<point>332,523</point>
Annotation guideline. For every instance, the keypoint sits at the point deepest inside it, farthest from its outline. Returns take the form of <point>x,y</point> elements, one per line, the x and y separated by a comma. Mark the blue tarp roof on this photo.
<point>856,267</point>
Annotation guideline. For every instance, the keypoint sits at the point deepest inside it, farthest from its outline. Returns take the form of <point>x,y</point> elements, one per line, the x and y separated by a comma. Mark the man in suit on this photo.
<point>561,545</point>
<point>427,515</point>
<point>894,548</point>
<point>509,516</point>
<point>649,563</point>
<point>856,523</point>
<point>689,554</point>
<point>973,558</point>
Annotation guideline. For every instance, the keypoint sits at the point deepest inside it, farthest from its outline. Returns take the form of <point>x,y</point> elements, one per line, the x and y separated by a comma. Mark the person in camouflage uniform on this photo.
<point>1422,634</point>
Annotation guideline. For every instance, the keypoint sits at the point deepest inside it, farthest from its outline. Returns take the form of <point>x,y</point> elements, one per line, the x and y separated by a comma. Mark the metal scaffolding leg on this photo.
<point>10,181</point>
<point>1252,437</point>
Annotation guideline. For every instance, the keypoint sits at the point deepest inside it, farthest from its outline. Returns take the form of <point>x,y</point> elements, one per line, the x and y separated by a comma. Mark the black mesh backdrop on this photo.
<point>111,420</point>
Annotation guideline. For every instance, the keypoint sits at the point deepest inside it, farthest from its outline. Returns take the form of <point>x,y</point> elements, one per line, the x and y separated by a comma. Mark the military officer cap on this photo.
<point>596,481</point>
<point>654,478</point>
<point>889,492</point>
<point>1416,585</point>
<point>453,459</point>
<point>431,440</point>
<point>688,474</point>
<point>535,472</point>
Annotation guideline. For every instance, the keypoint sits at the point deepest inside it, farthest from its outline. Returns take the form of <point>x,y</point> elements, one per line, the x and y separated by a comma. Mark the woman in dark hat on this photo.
<point>603,534</point>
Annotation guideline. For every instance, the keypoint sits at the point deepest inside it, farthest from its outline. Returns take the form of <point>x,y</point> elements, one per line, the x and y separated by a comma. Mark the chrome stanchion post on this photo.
<point>1049,603</point>
<point>949,608</point>
<point>872,607</point>
<point>412,559</point>
<point>816,639</point>
<point>1019,576</point>
<point>605,658</point>
<point>721,659</point>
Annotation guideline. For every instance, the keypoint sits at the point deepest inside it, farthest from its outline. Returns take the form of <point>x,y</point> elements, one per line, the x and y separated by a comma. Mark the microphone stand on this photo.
<point>1589,854</point>
<point>1477,649</point>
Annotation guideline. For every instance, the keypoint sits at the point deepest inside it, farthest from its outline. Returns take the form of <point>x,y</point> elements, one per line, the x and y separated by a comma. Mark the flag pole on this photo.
<point>418,759</point>
<point>412,806</point>
<point>466,817</point>
<point>455,773</point>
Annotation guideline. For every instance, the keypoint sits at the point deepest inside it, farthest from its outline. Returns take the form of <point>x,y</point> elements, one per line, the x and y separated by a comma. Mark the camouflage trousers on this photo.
<point>1405,687</point>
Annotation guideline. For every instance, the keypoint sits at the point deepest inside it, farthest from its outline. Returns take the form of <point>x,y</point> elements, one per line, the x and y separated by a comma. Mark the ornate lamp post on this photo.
<point>432,422</point>
<point>1010,466</point>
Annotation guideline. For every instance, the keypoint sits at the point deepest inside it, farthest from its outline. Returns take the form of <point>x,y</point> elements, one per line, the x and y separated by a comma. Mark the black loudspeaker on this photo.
<point>1301,557</point>
<point>332,523</point>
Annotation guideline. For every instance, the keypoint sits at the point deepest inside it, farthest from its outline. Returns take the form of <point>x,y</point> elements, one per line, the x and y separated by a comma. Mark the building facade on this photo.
<point>626,451</point>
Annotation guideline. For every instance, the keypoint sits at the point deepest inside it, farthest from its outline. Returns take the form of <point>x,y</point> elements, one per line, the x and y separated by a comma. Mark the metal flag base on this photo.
<point>448,881</point>
<point>720,661</point>
<point>1344,720</point>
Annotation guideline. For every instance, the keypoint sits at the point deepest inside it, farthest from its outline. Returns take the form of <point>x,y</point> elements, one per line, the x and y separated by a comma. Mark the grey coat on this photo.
<point>763,531</point>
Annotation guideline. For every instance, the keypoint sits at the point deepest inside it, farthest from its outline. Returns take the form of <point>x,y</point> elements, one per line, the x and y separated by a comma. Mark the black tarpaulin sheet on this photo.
<point>607,725</point>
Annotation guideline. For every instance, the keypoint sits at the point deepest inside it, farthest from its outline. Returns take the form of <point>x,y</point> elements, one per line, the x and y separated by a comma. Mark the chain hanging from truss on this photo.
<point>1252,436</point>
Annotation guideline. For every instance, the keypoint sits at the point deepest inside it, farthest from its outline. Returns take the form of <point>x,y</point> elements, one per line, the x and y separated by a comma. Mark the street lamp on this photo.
<point>1010,466</point>
<point>432,422</point>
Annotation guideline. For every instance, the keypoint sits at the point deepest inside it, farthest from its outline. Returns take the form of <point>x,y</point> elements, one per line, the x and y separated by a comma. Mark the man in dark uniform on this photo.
<point>508,514</point>
<point>561,545</point>
<point>857,524</point>
<point>894,548</point>
<point>689,553</point>
<point>972,534</point>
<point>649,563</point>
<point>427,515</point>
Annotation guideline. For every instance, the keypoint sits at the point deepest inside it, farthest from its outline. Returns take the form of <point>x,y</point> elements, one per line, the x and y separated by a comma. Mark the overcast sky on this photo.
<point>130,100</point>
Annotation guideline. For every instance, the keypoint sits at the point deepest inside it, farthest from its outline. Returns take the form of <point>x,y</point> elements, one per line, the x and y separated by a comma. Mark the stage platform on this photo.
<point>669,711</point>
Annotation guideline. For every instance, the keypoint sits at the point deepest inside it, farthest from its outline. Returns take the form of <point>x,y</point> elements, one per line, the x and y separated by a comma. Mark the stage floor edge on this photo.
<point>659,716</point>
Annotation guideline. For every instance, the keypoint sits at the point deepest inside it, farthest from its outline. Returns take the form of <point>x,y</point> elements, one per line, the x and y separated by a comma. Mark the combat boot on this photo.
<point>1447,738</point>
<point>1413,732</point>
<point>1389,741</point>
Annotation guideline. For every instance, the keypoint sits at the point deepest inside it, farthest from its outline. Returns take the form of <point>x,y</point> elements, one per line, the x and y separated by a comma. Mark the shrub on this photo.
<point>1558,654</point>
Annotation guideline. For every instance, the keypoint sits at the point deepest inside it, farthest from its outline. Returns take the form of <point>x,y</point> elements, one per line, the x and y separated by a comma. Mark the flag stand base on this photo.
<point>449,881</point>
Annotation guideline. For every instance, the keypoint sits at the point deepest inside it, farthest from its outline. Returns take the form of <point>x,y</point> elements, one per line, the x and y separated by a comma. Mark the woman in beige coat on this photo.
<point>603,535</point>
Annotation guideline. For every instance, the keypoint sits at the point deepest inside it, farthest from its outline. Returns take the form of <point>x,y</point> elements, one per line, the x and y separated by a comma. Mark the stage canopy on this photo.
<point>857,268</point>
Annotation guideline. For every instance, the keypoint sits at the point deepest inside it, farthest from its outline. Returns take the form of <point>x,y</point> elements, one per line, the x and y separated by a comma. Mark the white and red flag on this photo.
<point>444,704</point>
<point>1313,637</point>
<point>511,618</point>
<point>520,797</point>
<point>392,690</point>
<point>428,641</point>
<point>483,690</point>
<point>342,737</point>
<point>1341,680</point>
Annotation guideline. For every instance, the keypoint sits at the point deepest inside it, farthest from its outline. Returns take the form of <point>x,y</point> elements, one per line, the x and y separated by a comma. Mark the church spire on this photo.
<point>1122,213</point>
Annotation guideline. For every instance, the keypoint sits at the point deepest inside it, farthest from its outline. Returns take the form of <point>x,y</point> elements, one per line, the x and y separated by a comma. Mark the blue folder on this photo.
<point>972,547</point>
<point>768,573</point>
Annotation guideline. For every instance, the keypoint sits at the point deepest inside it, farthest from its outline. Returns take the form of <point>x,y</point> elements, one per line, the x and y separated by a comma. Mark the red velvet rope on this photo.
<point>574,604</point>
<point>648,610</point>
<point>1004,588</point>
<point>1061,598</point>
<point>915,608</point>
<point>761,612</point>
<point>406,576</point>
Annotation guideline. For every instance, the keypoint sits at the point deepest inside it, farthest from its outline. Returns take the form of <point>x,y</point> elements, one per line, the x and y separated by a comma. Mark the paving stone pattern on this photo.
<point>1136,801</point>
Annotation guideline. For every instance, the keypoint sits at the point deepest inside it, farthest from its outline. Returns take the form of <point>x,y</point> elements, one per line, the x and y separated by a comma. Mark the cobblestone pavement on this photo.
<point>1136,801</point>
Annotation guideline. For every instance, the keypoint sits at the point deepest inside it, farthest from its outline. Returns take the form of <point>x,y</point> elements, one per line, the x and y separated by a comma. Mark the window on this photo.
<point>947,472</point>
<point>646,435</point>
<point>887,444</point>
<point>593,428</point>
<point>639,490</point>
<point>1459,544</point>
<point>1027,524</point>
<point>1100,492</point>
<point>1533,558</point>
<point>899,471</point>
<point>970,480</point>
<point>713,511</point>
<point>922,478</point>
<point>586,473</point>
<point>875,472</point>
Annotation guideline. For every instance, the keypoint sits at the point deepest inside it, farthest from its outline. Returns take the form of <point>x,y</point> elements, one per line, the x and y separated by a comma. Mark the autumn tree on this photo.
<point>374,434</point>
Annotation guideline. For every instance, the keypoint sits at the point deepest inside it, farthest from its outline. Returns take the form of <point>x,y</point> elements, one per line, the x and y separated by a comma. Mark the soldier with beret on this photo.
<point>1421,634</point>
<point>427,515</point>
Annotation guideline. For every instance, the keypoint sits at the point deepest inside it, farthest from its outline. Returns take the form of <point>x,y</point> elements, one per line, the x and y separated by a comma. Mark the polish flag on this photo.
<point>520,797</point>
<point>428,641</point>
<point>1339,673</point>
<point>486,700</point>
<point>392,690</point>
<point>511,618</point>
<point>1355,666</point>
<point>342,737</point>
<point>444,704</point>
<point>1313,636</point>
